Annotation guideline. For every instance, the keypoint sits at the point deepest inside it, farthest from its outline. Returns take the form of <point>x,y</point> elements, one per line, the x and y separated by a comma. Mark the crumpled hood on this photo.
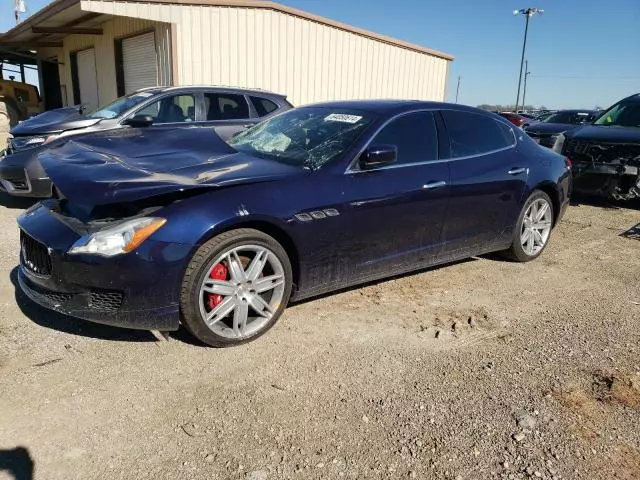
<point>53,121</point>
<point>550,128</point>
<point>129,166</point>
<point>611,134</point>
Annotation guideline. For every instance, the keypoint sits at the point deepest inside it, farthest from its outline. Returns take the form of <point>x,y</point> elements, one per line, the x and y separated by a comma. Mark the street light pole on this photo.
<point>528,13</point>
<point>458,89</point>
<point>524,90</point>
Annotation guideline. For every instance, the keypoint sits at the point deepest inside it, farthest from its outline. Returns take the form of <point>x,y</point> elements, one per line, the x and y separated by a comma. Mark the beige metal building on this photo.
<point>104,49</point>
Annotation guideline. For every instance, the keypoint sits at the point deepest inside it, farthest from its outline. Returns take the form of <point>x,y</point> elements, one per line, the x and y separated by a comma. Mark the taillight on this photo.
<point>568,163</point>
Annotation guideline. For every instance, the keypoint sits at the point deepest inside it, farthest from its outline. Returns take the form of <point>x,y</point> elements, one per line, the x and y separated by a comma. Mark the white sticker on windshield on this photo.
<point>342,117</point>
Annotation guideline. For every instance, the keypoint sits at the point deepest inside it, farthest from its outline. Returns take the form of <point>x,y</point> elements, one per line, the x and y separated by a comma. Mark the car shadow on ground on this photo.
<point>16,203</point>
<point>76,326</point>
<point>386,279</point>
<point>607,203</point>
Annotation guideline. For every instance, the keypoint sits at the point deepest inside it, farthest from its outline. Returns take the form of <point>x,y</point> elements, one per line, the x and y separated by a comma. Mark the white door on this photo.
<point>140,63</point>
<point>88,79</point>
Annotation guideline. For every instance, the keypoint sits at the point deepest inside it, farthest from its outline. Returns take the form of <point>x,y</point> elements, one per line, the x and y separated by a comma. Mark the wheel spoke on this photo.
<point>221,310</point>
<point>240,316</point>
<point>257,265</point>
<point>235,267</point>
<point>534,211</point>
<point>219,287</point>
<point>268,283</point>
<point>537,238</point>
<point>530,243</point>
<point>525,236</point>
<point>260,305</point>
<point>542,225</point>
<point>541,212</point>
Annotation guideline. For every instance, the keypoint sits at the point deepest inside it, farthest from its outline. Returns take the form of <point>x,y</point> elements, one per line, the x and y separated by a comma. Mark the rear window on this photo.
<point>263,106</point>
<point>473,134</point>
<point>225,106</point>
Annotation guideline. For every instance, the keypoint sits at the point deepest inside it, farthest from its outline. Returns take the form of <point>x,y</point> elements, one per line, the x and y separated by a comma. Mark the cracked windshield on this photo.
<point>306,136</point>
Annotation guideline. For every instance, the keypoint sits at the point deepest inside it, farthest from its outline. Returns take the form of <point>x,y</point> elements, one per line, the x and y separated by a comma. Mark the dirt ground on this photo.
<point>478,370</point>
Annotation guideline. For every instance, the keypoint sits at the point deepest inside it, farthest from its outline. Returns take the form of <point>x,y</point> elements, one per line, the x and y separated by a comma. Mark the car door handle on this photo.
<point>516,171</point>
<point>433,185</point>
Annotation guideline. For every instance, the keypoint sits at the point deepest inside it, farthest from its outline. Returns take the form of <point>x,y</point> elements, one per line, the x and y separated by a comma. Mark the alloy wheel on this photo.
<point>241,291</point>
<point>536,226</point>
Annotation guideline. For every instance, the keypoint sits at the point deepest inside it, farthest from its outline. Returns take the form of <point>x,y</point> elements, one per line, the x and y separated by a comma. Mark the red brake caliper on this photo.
<point>218,272</point>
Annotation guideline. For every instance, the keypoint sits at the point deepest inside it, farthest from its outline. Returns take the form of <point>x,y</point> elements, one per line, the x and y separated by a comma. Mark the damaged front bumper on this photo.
<point>609,170</point>
<point>138,290</point>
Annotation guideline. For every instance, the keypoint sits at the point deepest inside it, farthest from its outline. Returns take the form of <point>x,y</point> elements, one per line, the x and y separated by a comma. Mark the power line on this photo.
<point>585,77</point>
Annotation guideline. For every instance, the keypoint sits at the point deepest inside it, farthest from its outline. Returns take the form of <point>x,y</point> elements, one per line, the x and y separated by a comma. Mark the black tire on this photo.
<point>197,270</point>
<point>515,251</point>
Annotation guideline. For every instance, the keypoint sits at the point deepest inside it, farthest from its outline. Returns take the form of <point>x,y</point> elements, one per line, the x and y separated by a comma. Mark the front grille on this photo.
<point>58,298</point>
<point>35,255</point>
<point>105,300</point>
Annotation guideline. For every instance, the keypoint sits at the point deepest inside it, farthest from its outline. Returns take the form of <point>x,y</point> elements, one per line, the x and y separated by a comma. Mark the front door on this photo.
<point>394,214</point>
<point>487,183</point>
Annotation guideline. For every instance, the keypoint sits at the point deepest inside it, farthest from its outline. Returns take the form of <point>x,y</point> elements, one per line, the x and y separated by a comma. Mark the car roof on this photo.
<point>386,107</point>
<point>220,88</point>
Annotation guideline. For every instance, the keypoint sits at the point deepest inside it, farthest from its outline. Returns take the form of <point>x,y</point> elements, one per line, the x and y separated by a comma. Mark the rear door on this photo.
<point>393,215</point>
<point>488,178</point>
<point>227,113</point>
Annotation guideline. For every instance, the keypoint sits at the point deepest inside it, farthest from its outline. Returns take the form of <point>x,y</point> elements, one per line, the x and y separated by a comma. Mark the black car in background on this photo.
<point>546,131</point>
<point>606,154</point>
<point>226,110</point>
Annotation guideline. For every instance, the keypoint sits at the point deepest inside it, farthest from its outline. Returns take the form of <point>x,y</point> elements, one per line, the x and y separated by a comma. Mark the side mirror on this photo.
<point>378,156</point>
<point>139,121</point>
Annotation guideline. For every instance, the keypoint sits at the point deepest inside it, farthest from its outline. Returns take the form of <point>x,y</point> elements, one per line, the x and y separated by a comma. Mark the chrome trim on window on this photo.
<point>351,170</point>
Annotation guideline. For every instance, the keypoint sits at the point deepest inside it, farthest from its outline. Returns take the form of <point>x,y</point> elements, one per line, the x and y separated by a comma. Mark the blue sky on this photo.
<point>581,53</point>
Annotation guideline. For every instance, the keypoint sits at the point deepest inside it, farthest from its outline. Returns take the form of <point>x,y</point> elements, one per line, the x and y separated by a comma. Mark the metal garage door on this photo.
<point>139,60</point>
<point>88,79</point>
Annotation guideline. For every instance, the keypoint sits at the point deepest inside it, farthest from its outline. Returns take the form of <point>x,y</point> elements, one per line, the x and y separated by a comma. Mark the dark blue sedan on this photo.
<point>156,228</point>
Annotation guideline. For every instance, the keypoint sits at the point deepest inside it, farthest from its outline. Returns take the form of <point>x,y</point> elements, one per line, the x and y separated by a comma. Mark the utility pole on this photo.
<point>528,13</point>
<point>524,90</point>
<point>458,88</point>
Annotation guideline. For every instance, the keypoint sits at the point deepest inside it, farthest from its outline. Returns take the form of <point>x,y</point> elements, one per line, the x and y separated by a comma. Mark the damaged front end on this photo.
<point>611,170</point>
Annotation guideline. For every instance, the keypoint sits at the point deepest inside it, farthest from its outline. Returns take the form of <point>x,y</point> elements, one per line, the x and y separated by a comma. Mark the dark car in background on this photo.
<point>181,227</point>
<point>606,154</point>
<point>546,131</point>
<point>226,110</point>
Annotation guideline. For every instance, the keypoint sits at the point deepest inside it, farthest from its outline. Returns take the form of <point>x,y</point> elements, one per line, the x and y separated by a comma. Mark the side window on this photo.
<point>225,106</point>
<point>173,109</point>
<point>474,134</point>
<point>414,135</point>
<point>263,106</point>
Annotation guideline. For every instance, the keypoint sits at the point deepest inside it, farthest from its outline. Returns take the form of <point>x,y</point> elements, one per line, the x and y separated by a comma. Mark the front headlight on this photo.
<point>122,238</point>
<point>19,143</point>
<point>559,143</point>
